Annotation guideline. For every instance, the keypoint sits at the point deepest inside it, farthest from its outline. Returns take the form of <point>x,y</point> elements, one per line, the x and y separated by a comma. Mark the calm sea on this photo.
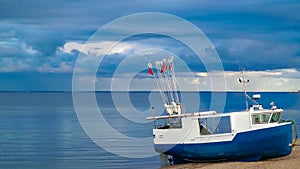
<point>42,130</point>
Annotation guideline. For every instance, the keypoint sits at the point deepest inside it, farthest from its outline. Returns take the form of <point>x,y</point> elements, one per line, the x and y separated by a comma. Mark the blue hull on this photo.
<point>246,146</point>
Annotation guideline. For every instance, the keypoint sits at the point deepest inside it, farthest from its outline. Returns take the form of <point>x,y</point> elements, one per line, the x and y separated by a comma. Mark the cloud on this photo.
<point>63,67</point>
<point>258,54</point>
<point>46,37</point>
<point>280,80</point>
<point>270,80</point>
<point>290,73</point>
<point>201,74</point>
<point>97,48</point>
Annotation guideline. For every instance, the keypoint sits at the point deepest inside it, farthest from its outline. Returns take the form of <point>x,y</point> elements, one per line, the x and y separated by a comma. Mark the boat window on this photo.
<point>275,117</point>
<point>214,125</point>
<point>168,123</point>
<point>260,118</point>
<point>204,131</point>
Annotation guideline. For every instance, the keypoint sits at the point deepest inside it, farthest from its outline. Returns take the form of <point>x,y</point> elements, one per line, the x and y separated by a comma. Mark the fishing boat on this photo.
<point>248,135</point>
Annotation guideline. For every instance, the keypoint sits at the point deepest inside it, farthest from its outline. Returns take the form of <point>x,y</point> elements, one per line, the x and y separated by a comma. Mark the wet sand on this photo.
<point>291,161</point>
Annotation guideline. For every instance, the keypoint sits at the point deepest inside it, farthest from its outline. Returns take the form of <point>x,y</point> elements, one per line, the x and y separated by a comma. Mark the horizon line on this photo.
<point>156,91</point>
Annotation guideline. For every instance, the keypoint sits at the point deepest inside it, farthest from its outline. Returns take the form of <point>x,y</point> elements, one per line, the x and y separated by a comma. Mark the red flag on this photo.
<point>150,71</point>
<point>162,68</point>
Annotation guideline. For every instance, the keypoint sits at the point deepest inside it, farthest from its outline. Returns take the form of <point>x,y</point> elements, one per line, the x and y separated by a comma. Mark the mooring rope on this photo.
<point>294,131</point>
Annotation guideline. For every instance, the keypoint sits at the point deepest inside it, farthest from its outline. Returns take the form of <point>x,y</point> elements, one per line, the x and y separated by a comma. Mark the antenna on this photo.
<point>244,81</point>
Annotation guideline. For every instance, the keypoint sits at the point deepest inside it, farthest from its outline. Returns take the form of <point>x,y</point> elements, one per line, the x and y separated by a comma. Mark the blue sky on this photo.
<point>40,41</point>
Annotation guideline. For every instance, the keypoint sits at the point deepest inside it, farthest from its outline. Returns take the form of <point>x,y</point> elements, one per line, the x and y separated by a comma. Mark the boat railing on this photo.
<point>196,114</point>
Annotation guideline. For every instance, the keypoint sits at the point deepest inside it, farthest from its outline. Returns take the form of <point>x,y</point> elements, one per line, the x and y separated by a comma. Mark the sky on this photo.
<point>41,42</point>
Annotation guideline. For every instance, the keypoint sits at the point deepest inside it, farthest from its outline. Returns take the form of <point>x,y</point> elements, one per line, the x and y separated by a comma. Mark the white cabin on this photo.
<point>205,127</point>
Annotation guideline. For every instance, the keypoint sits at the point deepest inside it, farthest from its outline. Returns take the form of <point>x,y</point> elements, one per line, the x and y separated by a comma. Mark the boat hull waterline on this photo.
<point>246,146</point>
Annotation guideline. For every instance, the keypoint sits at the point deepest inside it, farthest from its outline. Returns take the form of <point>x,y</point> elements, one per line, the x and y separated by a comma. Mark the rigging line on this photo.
<point>168,72</point>
<point>172,87</point>
<point>170,80</point>
<point>165,100</point>
<point>174,83</point>
<point>162,88</point>
<point>157,83</point>
<point>161,80</point>
<point>167,80</point>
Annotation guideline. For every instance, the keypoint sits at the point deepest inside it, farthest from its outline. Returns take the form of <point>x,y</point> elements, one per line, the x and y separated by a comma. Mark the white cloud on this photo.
<point>29,49</point>
<point>277,80</point>
<point>201,74</point>
<point>273,73</point>
<point>269,80</point>
<point>98,48</point>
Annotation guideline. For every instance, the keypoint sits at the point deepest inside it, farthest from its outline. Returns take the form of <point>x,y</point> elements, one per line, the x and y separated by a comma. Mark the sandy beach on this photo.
<point>290,161</point>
